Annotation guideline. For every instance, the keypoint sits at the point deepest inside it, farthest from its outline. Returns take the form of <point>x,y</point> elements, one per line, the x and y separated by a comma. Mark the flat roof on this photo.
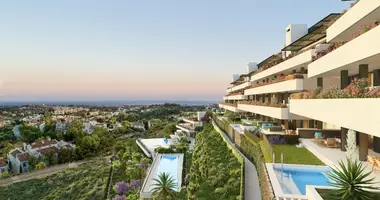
<point>315,33</point>
<point>152,144</point>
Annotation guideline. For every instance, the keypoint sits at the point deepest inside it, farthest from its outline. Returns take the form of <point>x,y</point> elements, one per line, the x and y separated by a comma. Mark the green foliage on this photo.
<point>351,181</point>
<point>88,181</point>
<point>5,174</point>
<point>41,165</point>
<point>169,129</point>
<point>164,187</point>
<point>29,133</point>
<point>253,152</point>
<point>213,165</point>
<point>6,133</point>
<point>33,161</point>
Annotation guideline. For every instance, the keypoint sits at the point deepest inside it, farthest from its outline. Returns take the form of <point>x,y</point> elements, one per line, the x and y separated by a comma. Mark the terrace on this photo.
<point>230,107</point>
<point>302,52</point>
<point>332,156</point>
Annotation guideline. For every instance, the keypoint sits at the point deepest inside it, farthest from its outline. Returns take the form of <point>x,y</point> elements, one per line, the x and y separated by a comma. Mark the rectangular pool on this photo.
<point>163,163</point>
<point>168,164</point>
<point>293,179</point>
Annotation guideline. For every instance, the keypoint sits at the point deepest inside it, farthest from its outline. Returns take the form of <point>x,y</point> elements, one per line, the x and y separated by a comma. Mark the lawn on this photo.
<point>294,155</point>
<point>88,181</point>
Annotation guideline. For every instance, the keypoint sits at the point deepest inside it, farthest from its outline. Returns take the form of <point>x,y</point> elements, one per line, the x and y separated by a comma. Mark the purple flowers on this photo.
<point>117,197</point>
<point>123,187</point>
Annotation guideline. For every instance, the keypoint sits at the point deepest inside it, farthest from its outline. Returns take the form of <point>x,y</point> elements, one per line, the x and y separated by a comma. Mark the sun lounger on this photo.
<point>331,142</point>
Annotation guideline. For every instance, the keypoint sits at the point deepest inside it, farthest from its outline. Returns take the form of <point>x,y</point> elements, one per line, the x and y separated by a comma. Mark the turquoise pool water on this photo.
<point>294,180</point>
<point>169,164</point>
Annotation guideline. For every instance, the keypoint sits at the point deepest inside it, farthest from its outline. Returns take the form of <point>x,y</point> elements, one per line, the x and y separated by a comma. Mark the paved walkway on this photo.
<point>252,186</point>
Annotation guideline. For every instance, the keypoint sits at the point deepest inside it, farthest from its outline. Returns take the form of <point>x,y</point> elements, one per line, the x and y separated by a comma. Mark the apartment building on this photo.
<point>312,83</point>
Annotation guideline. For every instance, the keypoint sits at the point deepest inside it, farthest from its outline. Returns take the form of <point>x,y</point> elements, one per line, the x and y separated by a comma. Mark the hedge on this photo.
<point>253,152</point>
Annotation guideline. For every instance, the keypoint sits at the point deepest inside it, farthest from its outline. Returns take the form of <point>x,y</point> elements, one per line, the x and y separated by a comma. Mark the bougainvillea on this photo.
<point>121,187</point>
<point>117,197</point>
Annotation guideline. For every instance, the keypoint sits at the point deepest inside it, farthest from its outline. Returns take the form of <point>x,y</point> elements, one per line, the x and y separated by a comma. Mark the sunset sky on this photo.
<point>142,49</point>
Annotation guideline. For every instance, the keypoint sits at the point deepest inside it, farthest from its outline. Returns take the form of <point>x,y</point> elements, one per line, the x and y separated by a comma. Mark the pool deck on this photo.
<point>332,156</point>
<point>152,173</point>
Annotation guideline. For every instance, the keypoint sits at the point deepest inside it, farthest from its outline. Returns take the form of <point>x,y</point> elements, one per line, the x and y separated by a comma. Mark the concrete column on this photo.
<point>286,97</point>
<point>343,79</point>
<point>363,71</point>
<point>376,77</point>
<point>343,136</point>
<point>319,125</point>
<point>320,82</point>
<point>303,71</point>
<point>376,144</point>
<point>363,146</point>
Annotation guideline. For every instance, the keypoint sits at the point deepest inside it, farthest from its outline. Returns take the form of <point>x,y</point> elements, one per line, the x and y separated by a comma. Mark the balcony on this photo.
<point>360,114</point>
<point>185,127</point>
<point>230,107</point>
<point>361,50</point>
<point>292,85</point>
<point>364,12</point>
<point>287,66</point>
<point>235,97</point>
<point>238,87</point>
<point>275,112</point>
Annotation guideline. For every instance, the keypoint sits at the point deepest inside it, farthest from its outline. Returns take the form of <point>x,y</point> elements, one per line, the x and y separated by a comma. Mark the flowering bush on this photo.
<point>359,88</point>
<point>363,29</point>
<point>117,197</point>
<point>279,79</point>
<point>121,187</point>
<point>266,103</point>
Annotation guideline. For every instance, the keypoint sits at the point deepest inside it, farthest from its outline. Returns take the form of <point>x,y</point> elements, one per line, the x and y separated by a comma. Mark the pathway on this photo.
<point>38,173</point>
<point>252,186</point>
<point>41,173</point>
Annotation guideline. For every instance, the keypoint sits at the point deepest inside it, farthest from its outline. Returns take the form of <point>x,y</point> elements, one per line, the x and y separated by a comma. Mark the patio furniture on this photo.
<point>331,142</point>
<point>318,138</point>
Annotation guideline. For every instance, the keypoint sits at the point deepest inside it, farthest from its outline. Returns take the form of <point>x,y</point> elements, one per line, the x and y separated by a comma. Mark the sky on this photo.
<point>73,50</point>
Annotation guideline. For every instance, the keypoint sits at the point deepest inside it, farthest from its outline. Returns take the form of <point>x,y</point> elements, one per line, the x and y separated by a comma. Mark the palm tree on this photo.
<point>351,182</point>
<point>164,187</point>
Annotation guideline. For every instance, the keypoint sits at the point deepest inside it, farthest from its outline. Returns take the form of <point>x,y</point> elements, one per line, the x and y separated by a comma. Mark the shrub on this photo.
<point>283,139</point>
<point>5,174</point>
<point>41,165</point>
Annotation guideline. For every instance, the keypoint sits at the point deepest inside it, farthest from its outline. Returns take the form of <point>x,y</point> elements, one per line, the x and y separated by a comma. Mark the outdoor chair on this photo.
<point>331,142</point>
<point>318,137</point>
<point>374,161</point>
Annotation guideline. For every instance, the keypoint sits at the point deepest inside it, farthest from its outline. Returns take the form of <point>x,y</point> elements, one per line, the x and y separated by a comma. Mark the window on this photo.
<point>24,164</point>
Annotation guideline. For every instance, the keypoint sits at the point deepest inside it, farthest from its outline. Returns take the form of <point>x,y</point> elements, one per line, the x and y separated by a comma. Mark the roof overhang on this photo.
<point>315,33</point>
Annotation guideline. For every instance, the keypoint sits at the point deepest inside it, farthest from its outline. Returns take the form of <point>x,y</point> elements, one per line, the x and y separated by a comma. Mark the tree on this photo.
<point>89,144</point>
<point>169,129</point>
<point>66,155</point>
<point>132,117</point>
<point>351,181</point>
<point>164,187</point>
<point>33,161</point>
<point>75,132</point>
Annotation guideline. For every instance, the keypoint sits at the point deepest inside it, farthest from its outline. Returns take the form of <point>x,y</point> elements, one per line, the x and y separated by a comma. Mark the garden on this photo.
<point>215,171</point>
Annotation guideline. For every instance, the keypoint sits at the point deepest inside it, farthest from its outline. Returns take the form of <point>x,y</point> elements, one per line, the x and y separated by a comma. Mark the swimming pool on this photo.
<point>168,164</point>
<point>293,179</point>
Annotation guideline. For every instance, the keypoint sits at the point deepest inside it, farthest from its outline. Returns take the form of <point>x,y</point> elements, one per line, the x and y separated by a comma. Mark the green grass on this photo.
<point>88,181</point>
<point>294,155</point>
